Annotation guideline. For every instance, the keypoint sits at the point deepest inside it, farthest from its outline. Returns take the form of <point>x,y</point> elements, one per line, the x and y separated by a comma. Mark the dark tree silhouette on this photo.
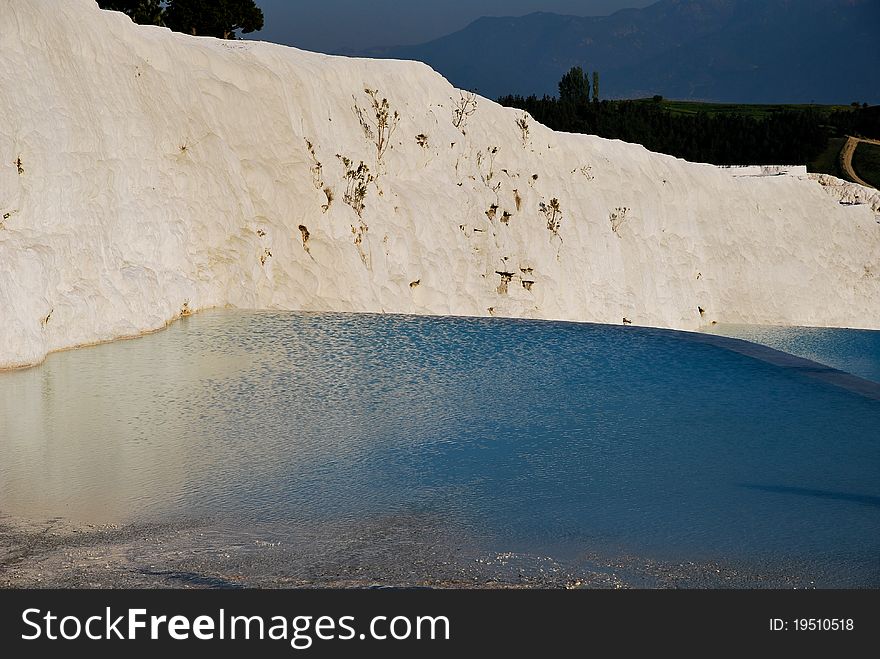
<point>574,87</point>
<point>145,12</point>
<point>214,18</point>
<point>787,136</point>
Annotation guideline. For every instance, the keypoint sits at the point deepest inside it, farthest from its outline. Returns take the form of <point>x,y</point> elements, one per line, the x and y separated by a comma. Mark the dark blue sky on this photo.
<point>354,25</point>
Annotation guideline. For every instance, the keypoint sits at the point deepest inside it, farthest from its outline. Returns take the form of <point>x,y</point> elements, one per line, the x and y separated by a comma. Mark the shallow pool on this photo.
<point>538,438</point>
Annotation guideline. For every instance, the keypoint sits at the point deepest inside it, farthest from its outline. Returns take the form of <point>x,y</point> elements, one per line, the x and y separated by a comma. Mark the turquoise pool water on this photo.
<point>543,438</point>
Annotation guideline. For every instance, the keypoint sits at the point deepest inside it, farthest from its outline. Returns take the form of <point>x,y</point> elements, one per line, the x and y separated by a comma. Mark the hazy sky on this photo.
<point>353,25</point>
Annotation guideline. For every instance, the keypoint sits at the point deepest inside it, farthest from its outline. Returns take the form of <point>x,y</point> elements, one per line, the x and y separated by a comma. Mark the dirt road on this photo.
<point>846,155</point>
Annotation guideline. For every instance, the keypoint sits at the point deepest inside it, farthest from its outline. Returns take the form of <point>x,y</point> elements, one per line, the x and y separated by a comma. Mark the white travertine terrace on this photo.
<point>145,174</point>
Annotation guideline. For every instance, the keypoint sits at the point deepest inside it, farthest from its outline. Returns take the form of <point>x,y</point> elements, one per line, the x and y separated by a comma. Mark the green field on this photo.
<point>828,162</point>
<point>866,163</point>
<point>756,111</point>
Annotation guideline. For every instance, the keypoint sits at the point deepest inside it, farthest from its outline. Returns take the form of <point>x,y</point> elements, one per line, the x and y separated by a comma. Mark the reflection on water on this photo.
<point>853,351</point>
<point>517,435</point>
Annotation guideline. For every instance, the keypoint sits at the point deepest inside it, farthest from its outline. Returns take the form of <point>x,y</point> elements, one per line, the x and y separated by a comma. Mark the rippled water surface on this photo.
<point>513,436</point>
<point>854,351</point>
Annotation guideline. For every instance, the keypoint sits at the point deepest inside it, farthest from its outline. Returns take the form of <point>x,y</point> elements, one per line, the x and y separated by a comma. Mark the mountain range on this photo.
<point>757,51</point>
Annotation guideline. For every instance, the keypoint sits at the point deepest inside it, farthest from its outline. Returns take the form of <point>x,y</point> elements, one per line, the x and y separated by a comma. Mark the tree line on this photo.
<point>789,136</point>
<point>209,18</point>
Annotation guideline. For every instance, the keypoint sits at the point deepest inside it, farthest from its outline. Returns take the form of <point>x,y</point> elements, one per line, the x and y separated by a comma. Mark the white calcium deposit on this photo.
<point>146,174</point>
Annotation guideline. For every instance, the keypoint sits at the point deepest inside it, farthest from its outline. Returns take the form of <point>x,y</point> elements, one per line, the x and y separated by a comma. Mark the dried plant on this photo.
<point>357,182</point>
<point>492,151</point>
<point>523,124</point>
<point>463,109</point>
<point>553,214</point>
<point>381,129</point>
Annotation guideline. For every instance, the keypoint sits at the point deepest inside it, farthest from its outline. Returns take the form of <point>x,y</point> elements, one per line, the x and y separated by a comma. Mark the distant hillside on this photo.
<point>758,51</point>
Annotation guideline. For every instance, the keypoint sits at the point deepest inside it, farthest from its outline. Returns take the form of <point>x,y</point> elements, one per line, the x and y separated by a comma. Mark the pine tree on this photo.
<point>214,18</point>
<point>145,12</point>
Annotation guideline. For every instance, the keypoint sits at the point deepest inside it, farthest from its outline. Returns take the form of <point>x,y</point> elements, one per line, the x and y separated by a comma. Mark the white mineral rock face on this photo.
<point>145,174</point>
